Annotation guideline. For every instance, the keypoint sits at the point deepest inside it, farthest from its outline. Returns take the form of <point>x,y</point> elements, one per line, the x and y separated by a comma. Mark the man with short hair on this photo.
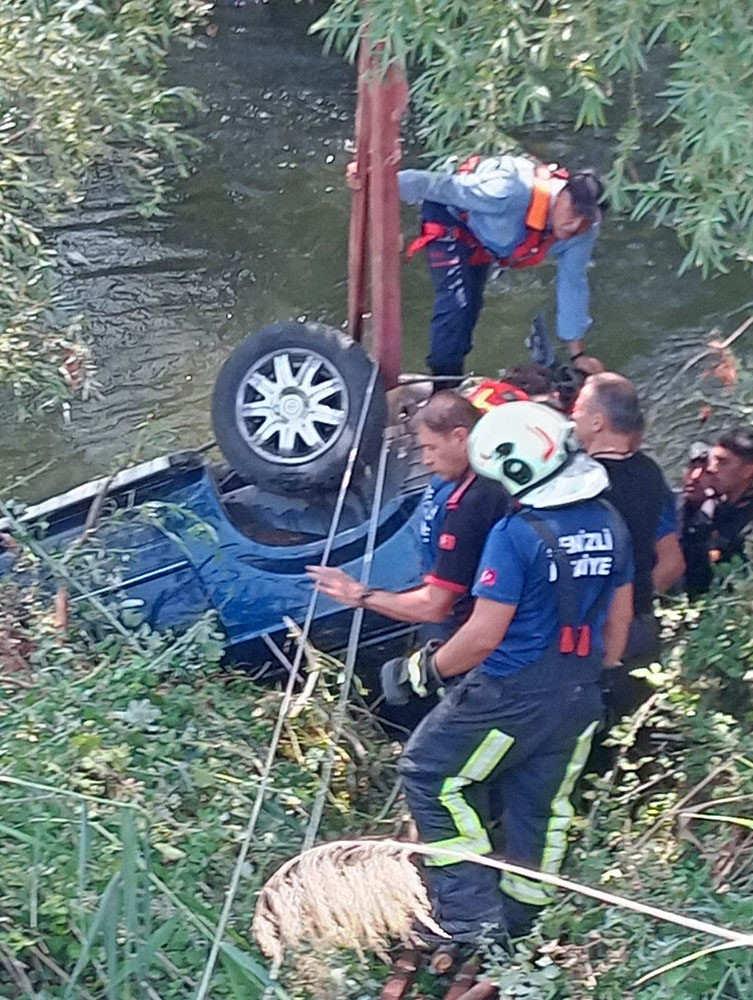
<point>458,510</point>
<point>609,423</point>
<point>512,212</point>
<point>716,535</point>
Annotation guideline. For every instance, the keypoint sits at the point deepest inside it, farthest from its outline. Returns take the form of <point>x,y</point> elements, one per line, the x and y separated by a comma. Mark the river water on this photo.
<point>257,233</point>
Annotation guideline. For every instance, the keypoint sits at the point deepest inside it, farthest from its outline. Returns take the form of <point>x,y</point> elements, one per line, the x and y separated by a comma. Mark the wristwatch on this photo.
<point>365,593</point>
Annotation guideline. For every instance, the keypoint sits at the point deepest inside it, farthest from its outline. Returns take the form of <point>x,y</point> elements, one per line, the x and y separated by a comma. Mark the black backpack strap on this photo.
<point>567,595</point>
<point>575,630</point>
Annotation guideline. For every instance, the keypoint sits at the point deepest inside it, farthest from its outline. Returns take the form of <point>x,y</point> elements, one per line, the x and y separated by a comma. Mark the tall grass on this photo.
<point>120,917</point>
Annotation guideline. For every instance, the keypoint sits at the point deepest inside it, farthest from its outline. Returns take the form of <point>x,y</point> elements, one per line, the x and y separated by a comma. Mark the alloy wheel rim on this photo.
<point>291,406</point>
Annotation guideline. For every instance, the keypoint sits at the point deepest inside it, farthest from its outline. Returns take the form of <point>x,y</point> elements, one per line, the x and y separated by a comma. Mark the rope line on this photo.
<point>232,891</point>
<point>567,885</point>
<point>338,722</point>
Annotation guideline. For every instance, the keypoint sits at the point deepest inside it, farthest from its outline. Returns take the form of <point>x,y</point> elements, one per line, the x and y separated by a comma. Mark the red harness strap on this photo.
<point>534,247</point>
<point>530,252</point>
<point>430,231</point>
<point>470,165</point>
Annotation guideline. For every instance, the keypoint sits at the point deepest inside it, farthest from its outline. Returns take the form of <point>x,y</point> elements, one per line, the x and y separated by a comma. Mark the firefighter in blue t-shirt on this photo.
<point>553,607</point>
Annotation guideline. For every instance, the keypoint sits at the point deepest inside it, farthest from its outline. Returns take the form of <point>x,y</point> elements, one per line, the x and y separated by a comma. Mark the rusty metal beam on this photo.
<point>358,179</point>
<point>374,248</point>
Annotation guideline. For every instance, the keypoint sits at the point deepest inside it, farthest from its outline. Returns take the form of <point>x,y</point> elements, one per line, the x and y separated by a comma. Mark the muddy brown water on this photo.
<point>257,233</point>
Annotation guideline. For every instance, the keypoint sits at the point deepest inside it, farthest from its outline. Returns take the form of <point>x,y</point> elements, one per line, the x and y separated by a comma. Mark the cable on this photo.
<point>317,808</point>
<point>287,697</point>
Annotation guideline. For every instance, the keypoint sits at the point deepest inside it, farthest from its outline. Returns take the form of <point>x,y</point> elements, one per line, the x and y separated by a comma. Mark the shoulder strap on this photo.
<point>575,630</point>
<point>567,597</point>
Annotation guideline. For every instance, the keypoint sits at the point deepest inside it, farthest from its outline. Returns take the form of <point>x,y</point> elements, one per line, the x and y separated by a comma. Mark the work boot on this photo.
<point>461,933</point>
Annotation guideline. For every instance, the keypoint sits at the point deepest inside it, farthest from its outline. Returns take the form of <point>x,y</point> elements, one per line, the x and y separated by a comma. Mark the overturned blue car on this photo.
<point>181,535</point>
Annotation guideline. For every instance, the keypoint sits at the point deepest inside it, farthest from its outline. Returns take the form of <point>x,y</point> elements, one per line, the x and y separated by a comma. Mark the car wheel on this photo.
<point>286,406</point>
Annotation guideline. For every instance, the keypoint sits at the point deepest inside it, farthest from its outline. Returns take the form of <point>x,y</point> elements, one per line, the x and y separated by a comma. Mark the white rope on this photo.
<point>317,808</point>
<point>232,891</point>
<point>567,885</point>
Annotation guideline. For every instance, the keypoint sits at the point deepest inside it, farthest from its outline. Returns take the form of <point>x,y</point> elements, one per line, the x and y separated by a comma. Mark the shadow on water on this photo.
<point>257,233</point>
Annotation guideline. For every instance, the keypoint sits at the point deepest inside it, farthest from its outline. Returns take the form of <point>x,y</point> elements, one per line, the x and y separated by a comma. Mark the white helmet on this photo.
<point>531,449</point>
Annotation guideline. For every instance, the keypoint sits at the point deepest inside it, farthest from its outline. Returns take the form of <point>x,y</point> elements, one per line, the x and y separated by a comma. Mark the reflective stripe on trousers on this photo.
<point>555,840</point>
<point>471,833</point>
<point>498,750</point>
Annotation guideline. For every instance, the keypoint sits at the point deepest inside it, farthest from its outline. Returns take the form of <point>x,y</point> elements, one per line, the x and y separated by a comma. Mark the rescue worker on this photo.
<point>715,528</point>
<point>609,424</point>
<point>697,504</point>
<point>697,493</point>
<point>511,212</point>
<point>458,510</point>
<point>553,605</point>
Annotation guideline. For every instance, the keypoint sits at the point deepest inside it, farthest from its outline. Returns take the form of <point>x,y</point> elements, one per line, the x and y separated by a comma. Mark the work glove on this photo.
<point>412,676</point>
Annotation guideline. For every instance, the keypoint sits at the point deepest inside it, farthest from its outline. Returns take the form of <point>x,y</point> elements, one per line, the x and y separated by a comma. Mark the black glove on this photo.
<point>412,676</point>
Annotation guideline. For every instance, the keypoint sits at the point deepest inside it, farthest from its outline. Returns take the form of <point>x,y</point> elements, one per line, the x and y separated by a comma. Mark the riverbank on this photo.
<point>84,94</point>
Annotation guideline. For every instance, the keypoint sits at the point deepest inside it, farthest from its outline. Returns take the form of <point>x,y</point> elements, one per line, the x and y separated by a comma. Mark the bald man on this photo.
<point>609,423</point>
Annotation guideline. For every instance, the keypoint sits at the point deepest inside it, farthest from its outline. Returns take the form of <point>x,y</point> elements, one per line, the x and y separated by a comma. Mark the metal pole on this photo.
<point>359,183</point>
<point>388,97</point>
<point>374,240</point>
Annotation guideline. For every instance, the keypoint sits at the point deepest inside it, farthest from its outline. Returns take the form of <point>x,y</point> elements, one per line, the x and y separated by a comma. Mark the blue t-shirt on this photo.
<point>433,501</point>
<point>668,522</point>
<point>515,568</point>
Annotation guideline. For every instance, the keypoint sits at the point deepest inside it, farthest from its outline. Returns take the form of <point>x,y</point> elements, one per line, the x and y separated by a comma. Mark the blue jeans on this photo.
<point>458,294</point>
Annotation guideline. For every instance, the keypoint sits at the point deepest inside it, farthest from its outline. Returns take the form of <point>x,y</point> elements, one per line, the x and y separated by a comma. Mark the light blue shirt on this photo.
<point>496,196</point>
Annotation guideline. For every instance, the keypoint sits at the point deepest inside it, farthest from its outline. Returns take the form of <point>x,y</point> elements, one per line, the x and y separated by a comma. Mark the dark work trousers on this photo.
<point>510,747</point>
<point>623,693</point>
<point>458,294</point>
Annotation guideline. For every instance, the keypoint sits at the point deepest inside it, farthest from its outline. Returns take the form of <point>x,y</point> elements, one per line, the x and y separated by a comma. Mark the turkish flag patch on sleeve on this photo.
<point>447,542</point>
<point>488,578</point>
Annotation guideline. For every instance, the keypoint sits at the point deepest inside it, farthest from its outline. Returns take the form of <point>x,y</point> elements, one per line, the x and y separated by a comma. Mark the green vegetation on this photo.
<point>670,81</point>
<point>80,86</point>
<point>129,763</point>
<point>670,826</point>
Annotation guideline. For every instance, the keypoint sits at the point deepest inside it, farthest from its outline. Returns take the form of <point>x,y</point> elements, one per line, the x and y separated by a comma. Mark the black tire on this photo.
<point>301,371</point>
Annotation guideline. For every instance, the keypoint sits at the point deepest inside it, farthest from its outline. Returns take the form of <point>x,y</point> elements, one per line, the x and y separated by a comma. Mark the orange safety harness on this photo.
<point>535,245</point>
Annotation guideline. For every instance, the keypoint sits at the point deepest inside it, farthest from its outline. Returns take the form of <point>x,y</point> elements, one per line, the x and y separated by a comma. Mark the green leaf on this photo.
<point>253,971</point>
<point>106,912</point>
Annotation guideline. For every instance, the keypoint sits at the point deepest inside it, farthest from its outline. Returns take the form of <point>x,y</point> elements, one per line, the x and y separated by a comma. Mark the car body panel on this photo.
<point>171,552</point>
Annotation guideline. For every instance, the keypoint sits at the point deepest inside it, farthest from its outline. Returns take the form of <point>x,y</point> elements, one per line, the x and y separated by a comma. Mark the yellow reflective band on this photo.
<point>525,890</point>
<point>555,839</point>
<point>415,675</point>
<point>471,834</point>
